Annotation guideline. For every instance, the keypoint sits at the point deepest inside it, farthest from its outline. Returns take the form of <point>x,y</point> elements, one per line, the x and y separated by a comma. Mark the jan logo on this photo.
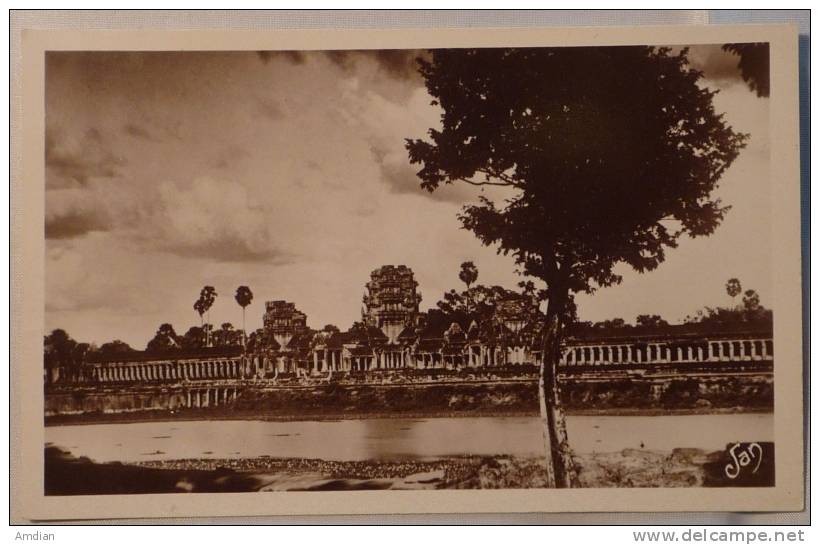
<point>742,457</point>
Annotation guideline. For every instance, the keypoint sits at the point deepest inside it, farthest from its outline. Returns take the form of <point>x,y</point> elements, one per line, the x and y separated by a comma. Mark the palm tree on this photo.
<point>199,307</point>
<point>208,296</point>
<point>243,297</point>
<point>733,288</point>
<point>751,300</point>
<point>468,273</point>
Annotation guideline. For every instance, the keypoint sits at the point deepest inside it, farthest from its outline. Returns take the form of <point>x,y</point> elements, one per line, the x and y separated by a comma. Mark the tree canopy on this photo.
<point>468,273</point>
<point>243,296</point>
<point>612,153</point>
<point>753,63</point>
<point>164,339</point>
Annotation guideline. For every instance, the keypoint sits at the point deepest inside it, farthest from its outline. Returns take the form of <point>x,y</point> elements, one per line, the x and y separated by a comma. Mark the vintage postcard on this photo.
<point>408,272</point>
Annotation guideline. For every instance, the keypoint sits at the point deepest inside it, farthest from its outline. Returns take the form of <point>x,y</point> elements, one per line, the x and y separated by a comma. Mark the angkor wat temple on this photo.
<point>394,335</point>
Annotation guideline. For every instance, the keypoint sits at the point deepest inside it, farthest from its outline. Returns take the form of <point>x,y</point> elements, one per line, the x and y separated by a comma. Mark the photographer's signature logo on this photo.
<point>741,464</point>
<point>743,455</point>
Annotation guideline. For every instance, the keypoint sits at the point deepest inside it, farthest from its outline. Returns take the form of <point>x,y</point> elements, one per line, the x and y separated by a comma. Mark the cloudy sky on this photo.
<point>286,172</point>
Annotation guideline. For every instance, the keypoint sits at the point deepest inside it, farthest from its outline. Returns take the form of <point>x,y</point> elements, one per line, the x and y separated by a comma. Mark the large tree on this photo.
<point>164,339</point>
<point>59,352</point>
<point>607,155</point>
<point>115,347</point>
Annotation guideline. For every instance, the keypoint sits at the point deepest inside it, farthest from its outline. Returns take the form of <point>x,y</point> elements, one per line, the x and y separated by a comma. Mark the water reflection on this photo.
<point>400,438</point>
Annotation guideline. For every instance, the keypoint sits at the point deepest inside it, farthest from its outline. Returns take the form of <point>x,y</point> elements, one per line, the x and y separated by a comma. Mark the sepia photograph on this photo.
<point>411,269</point>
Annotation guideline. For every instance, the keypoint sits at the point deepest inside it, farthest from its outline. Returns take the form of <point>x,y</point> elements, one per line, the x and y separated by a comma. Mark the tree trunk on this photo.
<point>244,336</point>
<point>560,467</point>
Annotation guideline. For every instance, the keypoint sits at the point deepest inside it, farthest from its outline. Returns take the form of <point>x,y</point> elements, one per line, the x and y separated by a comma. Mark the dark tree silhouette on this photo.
<point>733,288</point>
<point>59,355</point>
<point>610,155</point>
<point>476,303</point>
<point>243,297</point>
<point>751,300</point>
<point>115,347</point>
<point>207,297</point>
<point>650,320</point>
<point>227,335</point>
<point>193,339</point>
<point>199,307</point>
<point>753,65</point>
<point>164,339</point>
<point>468,273</point>
<point>614,323</point>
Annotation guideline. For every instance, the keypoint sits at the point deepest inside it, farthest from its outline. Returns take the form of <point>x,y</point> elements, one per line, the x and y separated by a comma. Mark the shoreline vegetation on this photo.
<point>223,413</point>
<point>68,475</point>
<point>632,396</point>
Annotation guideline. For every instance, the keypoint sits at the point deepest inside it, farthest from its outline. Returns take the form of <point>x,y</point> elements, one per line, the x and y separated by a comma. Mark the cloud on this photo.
<point>138,131</point>
<point>385,124</point>
<point>718,66</point>
<point>75,223</point>
<point>399,64</point>
<point>269,107</point>
<point>74,160</point>
<point>213,220</point>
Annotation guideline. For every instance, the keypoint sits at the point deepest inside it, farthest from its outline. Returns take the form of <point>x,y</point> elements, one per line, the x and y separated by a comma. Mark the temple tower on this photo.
<point>283,321</point>
<point>391,302</point>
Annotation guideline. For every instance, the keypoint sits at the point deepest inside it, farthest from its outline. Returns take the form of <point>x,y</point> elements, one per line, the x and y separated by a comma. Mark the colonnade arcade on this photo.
<point>210,369</point>
<point>443,356</point>
<point>665,352</point>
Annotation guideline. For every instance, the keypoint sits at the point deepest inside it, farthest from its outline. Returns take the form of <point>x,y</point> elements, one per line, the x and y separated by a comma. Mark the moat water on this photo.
<point>399,438</point>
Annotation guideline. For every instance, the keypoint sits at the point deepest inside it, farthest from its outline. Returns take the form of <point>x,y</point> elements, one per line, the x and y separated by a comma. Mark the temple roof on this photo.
<point>636,333</point>
<point>166,355</point>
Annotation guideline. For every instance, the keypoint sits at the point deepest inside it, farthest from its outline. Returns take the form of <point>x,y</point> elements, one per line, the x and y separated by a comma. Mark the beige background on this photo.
<point>28,245</point>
